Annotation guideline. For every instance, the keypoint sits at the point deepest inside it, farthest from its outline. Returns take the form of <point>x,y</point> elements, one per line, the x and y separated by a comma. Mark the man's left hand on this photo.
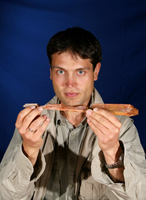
<point>107,127</point>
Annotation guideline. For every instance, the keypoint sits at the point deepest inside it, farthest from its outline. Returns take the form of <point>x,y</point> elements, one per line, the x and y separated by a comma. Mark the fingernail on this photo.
<point>95,109</point>
<point>45,116</point>
<point>40,108</point>
<point>89,112</point>
<point>48,119</point>
<point>33,107</point>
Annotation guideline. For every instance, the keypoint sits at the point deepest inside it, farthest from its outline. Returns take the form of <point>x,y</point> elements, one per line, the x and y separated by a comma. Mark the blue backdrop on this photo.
<point>27,25</point>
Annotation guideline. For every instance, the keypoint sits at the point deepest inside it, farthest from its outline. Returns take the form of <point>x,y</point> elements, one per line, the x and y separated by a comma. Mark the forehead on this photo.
<point>68,60</point>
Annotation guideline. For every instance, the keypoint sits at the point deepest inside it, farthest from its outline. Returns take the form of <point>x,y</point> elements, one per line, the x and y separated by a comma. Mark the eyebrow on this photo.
<point>81,68</point>
<point>53,67</point>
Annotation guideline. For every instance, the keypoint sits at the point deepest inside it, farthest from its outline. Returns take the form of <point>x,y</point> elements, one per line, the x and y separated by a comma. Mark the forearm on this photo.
<point>31,154</point>
<point>15,177</point>
<point>117,175</point>
<point>134,184</point>
<point>112,157</point>
<point>8,191</point>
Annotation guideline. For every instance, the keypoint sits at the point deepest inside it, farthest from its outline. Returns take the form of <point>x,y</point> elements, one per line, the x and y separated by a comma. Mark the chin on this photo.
<point>70,103</point>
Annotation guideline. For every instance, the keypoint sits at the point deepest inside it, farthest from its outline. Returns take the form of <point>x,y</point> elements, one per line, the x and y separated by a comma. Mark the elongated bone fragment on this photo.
<point>116,109</point>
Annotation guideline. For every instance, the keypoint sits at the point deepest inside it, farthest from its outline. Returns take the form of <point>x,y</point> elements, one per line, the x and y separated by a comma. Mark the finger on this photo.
<point>31,116</point>
<point>41,129</point>
<point>22,115</point>
<point>104,117</point>
<point>104,136</point>
<point>95,129</point>
<point>34,136</point>
<point>108,115</point>
<point>37,123</point>
<point>99,120</point>
<point>96,126</point>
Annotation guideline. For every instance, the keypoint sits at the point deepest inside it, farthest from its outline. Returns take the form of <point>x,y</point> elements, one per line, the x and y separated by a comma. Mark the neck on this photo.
<point>73,117</point>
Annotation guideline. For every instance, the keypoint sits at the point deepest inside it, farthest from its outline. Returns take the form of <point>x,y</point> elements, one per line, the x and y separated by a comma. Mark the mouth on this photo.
<point>71,94</point>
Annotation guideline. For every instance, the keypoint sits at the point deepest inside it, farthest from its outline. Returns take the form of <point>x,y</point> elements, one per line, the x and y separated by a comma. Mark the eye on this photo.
<point>60,72</point>
<point>81,72</point>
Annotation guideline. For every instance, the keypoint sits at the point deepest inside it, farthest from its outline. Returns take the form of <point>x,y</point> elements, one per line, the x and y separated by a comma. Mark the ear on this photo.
<point>50,73</point>
<point>96,71</point>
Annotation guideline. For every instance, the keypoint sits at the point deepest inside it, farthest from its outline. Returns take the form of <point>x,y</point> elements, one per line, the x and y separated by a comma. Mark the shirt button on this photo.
<point>72,159</point>
<point>73,134</point>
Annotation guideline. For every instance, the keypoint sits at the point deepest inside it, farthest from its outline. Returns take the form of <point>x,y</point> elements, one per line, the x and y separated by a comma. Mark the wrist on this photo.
<point>30,153</point>
<point>112,156</point>
<point>118,164</point>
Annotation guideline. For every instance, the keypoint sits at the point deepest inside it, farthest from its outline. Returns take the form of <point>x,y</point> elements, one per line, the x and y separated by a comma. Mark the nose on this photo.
<point>71,81</point>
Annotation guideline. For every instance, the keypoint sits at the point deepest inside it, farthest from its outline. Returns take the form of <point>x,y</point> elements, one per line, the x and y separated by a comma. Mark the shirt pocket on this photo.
<point>87,189</point>
<point>87,192</point>
<point>92,191</point>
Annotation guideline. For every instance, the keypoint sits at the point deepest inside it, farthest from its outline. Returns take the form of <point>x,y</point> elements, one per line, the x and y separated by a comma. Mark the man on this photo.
<point>70,155</point>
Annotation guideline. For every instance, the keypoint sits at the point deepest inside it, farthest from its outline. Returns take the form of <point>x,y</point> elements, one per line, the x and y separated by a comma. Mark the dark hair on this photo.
<point>78,42</point>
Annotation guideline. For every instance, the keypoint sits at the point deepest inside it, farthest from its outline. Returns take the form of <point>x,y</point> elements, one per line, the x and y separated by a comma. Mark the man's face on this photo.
<point>73,78</point>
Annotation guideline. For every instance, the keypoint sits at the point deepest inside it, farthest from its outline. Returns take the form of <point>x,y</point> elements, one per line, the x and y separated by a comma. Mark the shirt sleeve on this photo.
<point>17,175</point>
<point>134,163</point>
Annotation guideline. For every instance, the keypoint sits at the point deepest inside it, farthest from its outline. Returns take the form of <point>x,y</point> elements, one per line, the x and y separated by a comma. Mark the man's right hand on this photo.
<point>31,125</point>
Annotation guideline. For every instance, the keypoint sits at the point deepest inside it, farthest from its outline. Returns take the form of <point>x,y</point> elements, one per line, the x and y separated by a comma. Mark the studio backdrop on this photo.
<point>25,29</point>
